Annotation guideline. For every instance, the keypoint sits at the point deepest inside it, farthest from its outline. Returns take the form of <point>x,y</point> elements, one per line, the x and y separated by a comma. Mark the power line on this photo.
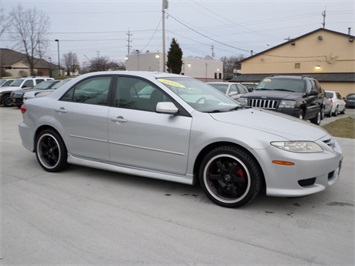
<point>225,44</point>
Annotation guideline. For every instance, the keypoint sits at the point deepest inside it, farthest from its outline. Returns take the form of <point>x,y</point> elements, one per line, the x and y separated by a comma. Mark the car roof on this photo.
<point>289,77</point>
<point>146,74</point>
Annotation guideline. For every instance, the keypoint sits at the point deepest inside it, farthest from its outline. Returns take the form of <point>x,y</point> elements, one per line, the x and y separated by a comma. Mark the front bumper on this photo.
<point>311,172</point>
<point>17,101</point>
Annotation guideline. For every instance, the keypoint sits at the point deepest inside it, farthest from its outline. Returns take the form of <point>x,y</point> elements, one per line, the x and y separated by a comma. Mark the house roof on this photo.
<point>10,57</point>
<point>321,77</point>
<point>295,39</point>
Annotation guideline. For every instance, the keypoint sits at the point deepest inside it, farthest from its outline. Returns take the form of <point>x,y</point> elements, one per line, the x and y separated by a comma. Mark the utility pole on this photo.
<point>212,48</point>
<point>129,34</point>
<point>164,6</point>
<point>324,15</point>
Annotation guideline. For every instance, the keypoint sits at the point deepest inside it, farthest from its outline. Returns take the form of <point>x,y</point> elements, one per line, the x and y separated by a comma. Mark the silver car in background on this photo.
<point>40,91</point>
<point>176,128</point>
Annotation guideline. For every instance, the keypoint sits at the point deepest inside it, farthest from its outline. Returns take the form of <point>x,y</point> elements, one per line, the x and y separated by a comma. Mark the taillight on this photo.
<point>23,109</point>
<point>331,100</point>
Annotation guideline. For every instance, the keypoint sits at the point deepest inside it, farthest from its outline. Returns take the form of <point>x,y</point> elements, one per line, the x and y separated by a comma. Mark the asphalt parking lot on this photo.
<point>87,216</point>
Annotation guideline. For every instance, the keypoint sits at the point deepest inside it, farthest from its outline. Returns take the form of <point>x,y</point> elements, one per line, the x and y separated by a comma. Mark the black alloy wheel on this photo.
<point>230,176</point>
<point>51,152</point>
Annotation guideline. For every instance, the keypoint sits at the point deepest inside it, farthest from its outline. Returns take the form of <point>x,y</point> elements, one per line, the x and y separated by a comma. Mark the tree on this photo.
<point>29,30</point>
<point>174,58</point>
<point>4,20</point>
<point>103,63</point>
<point>71,62</point>
<point>230,65</point>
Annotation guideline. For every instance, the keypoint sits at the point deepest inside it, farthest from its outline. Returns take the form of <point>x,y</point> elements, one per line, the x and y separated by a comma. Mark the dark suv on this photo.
<point>298,96</point>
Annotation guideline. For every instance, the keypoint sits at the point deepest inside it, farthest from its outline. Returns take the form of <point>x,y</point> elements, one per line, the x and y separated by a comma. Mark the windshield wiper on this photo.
<point>282,90</point>
<point>234,108</point>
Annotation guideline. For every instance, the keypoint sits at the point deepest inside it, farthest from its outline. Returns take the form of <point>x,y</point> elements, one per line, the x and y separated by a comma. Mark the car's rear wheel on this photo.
<point>316,120</point>
<point>230,176</point>
<point>51,152</point>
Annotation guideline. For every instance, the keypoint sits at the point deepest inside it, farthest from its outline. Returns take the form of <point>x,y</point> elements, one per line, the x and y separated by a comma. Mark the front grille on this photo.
<point>16,95</point>
<point>262,103</point>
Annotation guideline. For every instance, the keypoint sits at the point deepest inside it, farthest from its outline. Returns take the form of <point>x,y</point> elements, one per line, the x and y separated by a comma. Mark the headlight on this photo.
<point>297,146</point>
<point>287,104</point>
<point>243,101</point>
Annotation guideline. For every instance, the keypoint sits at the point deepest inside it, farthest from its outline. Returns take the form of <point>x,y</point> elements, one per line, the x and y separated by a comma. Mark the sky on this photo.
<point>113,28</point>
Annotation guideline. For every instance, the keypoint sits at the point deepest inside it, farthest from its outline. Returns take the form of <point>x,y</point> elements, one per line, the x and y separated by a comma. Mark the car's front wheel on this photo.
<point>7,102</point>
<point>51,152</point>
<point>230,176</point>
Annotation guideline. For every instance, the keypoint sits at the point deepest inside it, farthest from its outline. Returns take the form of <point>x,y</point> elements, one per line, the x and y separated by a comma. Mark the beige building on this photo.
<point>206,69</point>
<point>15,64</point>
<point>326,55</point>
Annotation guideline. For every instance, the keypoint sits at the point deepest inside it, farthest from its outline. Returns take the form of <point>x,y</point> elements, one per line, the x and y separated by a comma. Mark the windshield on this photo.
<point>56,86</point>
<point>198,95</point>
<point>294,85</point>
<point>44,85</point>
<point>16,83</point>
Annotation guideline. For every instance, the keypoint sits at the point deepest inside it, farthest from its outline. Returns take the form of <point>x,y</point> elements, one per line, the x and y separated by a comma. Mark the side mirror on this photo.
<point>313,93</point>
<point>166,108</point>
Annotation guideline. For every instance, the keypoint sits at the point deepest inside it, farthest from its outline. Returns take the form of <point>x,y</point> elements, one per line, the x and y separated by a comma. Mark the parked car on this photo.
<point>350,100</point>
<point>41,91</point>
<point>18,84</point>
<point>233,90</point>
<point>338,104</point>
<point>327,105</point>
<point>185,131</point>
<point>250,85</point>
<point>5,82</point>
<point>298,96</point>
<point>17,95</point>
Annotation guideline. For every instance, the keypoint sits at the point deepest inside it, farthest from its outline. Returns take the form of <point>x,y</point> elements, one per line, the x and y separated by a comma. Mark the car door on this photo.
<point>312,99</point>
<point>142,138</point>
<point>83,111</point>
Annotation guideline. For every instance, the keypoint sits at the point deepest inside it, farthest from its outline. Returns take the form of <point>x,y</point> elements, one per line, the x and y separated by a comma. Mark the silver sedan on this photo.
<point>176,128</point>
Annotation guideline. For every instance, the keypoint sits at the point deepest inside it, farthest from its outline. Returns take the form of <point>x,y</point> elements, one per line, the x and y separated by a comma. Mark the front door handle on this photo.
<point>119,119</point>
<point>61,110</point>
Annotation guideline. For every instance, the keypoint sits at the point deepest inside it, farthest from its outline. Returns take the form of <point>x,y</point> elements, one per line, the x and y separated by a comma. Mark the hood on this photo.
<point>271,122</point>
<point>270,94</point>
<point>9,88</point>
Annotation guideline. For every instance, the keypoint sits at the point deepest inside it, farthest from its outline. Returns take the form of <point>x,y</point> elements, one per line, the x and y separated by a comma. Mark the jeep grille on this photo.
<point>267,104</point>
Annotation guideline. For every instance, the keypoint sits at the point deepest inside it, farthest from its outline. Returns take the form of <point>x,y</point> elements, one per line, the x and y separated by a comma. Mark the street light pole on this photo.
<point>58,57</point>
<point>164,6</point>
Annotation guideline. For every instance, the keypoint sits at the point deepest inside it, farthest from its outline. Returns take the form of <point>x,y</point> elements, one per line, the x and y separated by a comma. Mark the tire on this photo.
<point>322,114</point>
<point>230,176</point>
<point>6,101</point>
<point>336,111</point>
<point>316,120</point>
<point>51,152</point>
